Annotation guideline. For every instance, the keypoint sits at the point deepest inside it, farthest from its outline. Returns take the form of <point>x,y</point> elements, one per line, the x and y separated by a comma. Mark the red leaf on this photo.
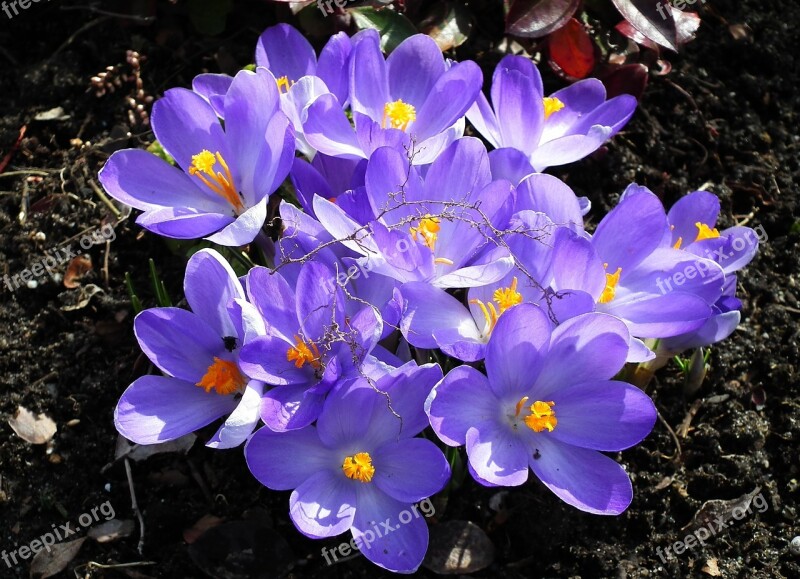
<point>653,18</point>
<point>537,18</point>
<point>572,50</point>
<point>627,79</point>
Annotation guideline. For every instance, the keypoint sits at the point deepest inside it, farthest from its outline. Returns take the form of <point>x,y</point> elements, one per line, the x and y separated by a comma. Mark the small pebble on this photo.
<point>39,236</point>
<point>794,546</point>
<point>33,284</point>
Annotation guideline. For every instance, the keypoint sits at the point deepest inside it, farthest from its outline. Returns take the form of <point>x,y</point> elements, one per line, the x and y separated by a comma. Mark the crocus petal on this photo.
<point>451,97</point>
<point>743,248</point>
<point>602,415</point>
<point>323,505</point>
<point>576,264</point>
<point>661,316</point>
<point>408,386</point>
<point>699,206</point>
<point>549,195</point>
<point>638,352</point>
<point>461,400</point>
<point>410,470</point>
<point>265,359</point>
<point>182,223</point>
<point>210,284</point>
<point>318,308</point>
<point>482,117</point>
<point>476,275</point>
<point>179,342</point>
<point>570,148</point>
<point>630,232</point>
<point>212,87</point>
<point>159,408</point>
<point>580,477</point>
<point>290,407</point>
<point>579,99</point>
<point>509,164</point>
<point>250,104</point>
<point>420,54</point>
<point>274,298</point>
<point>244,229</point>
<point>497,454</point>
<point>185,124</point>
<point>284,461</point>
<point>327,129</point>
<point>145,181</point>
<point>286,52</point>
<point>715,329</point>
<point>520,114</point>
<point>516,350</point>
<point>588,347</point>
<point>242,421</point>
<point>369,85</point>
<point>428,309</point>
<point>400,550</point>
<point>333,65</point>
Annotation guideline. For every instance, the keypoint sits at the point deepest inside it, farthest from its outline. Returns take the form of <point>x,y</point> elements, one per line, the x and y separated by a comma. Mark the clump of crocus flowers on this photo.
<point>400,236</point>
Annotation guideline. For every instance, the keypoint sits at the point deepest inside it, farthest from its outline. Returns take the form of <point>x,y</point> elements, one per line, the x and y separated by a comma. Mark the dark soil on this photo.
<point>726,116</point>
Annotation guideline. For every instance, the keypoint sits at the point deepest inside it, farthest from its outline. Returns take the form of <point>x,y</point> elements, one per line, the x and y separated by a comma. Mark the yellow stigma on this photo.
<point>224,377</point>
<point>505,297</point>
<point>612,279</point>
<point>541,417</point>
<point>551,105</point>
<point>302,353</point>
<point>284,84</point>
<point>222,184</point>
<point>398,114</point>
<point>428,229</point>
<point>359,467</point>
<point>705,232</point>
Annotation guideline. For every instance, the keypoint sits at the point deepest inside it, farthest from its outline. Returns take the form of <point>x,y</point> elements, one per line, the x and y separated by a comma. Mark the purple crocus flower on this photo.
<point>300,77</point>
<point>547,402</point>
<point>411,96</point>
<point>562,128</point>
<point>692,222</point>
<point>224,177</point>
<point>198,352</point>
<point>432,229</point>
<point>625,267</point>
<point>310,344</point>
<point>359,468</point>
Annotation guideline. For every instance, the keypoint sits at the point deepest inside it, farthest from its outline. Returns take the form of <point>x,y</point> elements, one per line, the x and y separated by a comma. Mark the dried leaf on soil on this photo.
<point>458,547</point>
<point>34,429</point>
<point>48,563</point>
<point>112,530</point>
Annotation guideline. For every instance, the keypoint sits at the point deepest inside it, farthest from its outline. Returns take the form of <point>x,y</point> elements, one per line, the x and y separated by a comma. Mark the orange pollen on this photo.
<point>705,232</point>
<point>428,229</point>
<point>359,467</point>
<point>612,279</point>
<point>222,184</point>
<point>541,417</point>
<point>302,353</point>
<point>505,297</point>
<point>224,377</point>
